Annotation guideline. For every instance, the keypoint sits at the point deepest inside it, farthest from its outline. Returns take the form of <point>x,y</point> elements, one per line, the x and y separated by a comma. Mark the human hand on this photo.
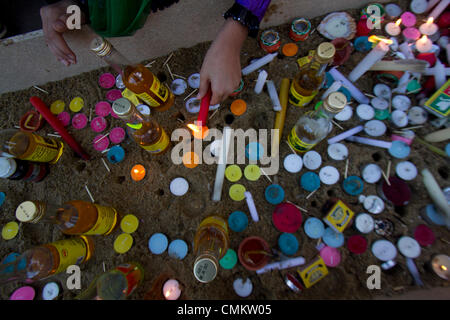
<point>221,68</point>
<point>54,19</point>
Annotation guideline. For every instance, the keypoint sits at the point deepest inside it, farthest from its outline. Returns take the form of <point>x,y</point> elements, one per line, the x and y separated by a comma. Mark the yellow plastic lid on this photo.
<point>237,192</point>
<point>57,107</point>
<point>290,49</point>
<point>10,230</point>
<point>129,223</point>
<point>123,243</point>
<point>191,160</point>
<point>76,104</point>
<point>233,173</point>
<point>238,107</point>
<point>252,172</point>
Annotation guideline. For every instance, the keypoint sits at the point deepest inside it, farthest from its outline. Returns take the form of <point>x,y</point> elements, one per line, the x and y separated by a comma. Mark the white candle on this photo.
<point>370,142</point>
<point>399,118</point>
<point>273,95</point>
<point>346,134</point>
<point>288,263</point>
<point>243,289</point>
<point>220,173</point>
<point>393,29</point>
<point>354,91</point>
<point>251,206</point>
<point>431,4</point>
<point>262,77</point>
<point>419,6</point>
<point>428,28</point>
<point>333,88</point>
<point>436,193</point>
<point>424,44</point>
<point>439,9</point>
<point>406,50</point>
<point>171,289</point>
<point>259,63</point>
<point>369,60</point>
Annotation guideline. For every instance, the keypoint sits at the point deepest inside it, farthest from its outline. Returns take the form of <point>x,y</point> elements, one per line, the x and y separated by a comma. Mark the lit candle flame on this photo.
<point>430,20</point>
<point>199,132</point>
<point>397,23</point>
<point>444,268</point>
<point>193,127</point>
<point>376,39</point>
<point>168,293</point>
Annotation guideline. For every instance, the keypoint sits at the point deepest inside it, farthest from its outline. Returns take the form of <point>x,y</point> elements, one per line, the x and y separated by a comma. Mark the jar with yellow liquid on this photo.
<point>210,245</point>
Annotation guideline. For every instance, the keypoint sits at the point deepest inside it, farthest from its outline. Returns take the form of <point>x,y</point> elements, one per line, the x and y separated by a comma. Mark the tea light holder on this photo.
<point>440,264</point>
<point>424,44</point>
<point>393,29</point>
<point>137,172</point>
<point>429,28</point>
<point>371,173</point>
<point>375,128</point>
<point>171,290</point>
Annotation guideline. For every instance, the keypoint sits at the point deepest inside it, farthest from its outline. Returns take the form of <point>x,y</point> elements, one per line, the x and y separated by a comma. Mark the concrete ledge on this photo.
<point>26,61</point>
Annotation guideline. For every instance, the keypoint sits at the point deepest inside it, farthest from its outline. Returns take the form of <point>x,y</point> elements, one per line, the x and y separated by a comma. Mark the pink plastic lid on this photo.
<point>287,218</point>
<point>331,256</point>
<point>98,124</point>
<point>411,33</point>
<point>103,108</point>
<point>107,81</point>
<point>99,143</point>
<point>64,117</point>
<point>357,244</point>
<point>79,121</point>
<point>117,135</point>
<point>424,235</point>
<point>395,137</point>
<point>113,95</point>
<point>23,293</point>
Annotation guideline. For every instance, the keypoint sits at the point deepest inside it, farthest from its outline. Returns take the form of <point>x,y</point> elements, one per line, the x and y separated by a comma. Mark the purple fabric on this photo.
<point>257,7</point>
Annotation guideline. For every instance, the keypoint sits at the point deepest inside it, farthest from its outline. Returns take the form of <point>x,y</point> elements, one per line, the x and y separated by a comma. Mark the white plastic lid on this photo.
<point>409,247</point>
<point>312,160</point>
<point>337,151</point>
<point>406,170</point>
<point>345,114</point>
<point>329,175</point>
<point>179,186</point>
<point>375,128</point>
<point>7,167</point>
<point>364,223</point>
<point>401,102</point>
<point>384,250</point>
<point>293,163</point>
<point>365,112</point>
<point>371,173</point>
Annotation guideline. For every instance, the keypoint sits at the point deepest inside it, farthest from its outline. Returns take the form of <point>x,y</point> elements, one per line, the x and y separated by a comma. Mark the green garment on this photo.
<point>118,18</point>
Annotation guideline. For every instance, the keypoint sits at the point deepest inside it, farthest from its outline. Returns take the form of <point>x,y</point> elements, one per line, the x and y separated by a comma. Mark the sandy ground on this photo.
<point>178,217</point>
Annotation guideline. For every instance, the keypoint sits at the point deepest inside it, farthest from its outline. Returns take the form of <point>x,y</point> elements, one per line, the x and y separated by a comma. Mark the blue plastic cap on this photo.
<point>2,198</point>
<point>310,181</point>
<point>238,221</point>
<point>288,243</point>
<point>254,151</point>
<point>314,228</point>
<point>116,154</point>
<point>158,243</point>
<point>178,249</point>
<point>332,238</point>
<point>353,185</point>
<point>399,149</point>
<point>274,194</point>
<point>435,216</point>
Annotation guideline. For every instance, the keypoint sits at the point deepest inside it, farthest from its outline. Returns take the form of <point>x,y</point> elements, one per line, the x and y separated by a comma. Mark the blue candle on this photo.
<point>238,221</point>
<point>178,249</point>
<point>158,243</point>
<point>310,181</point>
<point>399,149</point>
<point>288,243</point>
<point>274,194</point>
<point>116,154</point>
<point>314,228</point>
<point>332,238</point>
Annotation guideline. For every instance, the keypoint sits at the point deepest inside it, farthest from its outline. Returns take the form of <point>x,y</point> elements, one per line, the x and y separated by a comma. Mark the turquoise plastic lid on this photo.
<point>345,91</point>
<point>229,260</point>
<point>116,154</point>
<point>382,114</point>
<point>399,149</point>
<point>254,151</point>
<point>238,221</point>
<point>434,215</point>
<point>274,194</point>
<point>314,228</point>
<point>158,243</point>
<point>353,185</point>
<point>288,243</point>
<point>310,181</point>
<point>178,249</point>
<point>2,198</point>
<point>328,80</point>
<point>332,238</point>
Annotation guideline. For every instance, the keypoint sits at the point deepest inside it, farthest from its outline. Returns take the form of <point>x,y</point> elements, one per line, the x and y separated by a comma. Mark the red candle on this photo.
<point>204,108</point>
<point>58,126</point>
<point>398,192</point>
<point>357,244</point>
<point>424,235</point>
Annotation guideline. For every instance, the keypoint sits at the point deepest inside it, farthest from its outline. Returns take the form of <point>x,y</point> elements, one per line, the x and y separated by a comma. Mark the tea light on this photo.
<point>158,243</point>
<point>238,221</point>
<point>393,10</point>
<point>364,223</point>
<point>329,175</point>
<point>399,118</point>
<point>288,244</point>
<point>103,108</point>
<point>353,185</point>
<point>98,124</point>
<point>372,204</point>
<point>408,19</point>
<point>408,247</point>
<point>117,135</point>
<point>432,216</point>
<point>314,228</point>
<point>243,289</point>
<point>393,29</point>
<point>417,115</point>
<point>293,163</point>
<point>116,154</point>
<point>100,142</point>
<point>312,160</point>
<point>441,266</point>
<point>371,173</point>
<point>274,194</point>
<point>119,82</point>
<point>113,95</point>
<point>384,250</point>
<point>365,112</point>
<point>177,249</point>
<point>138,172</point>
<point>429,28</point>
<point>171,289</point>
<point>357,244</point>
<point>332,238</point>
<point>337,151</point>
<point>382,91</point>
<point>331,256</point>
<point>345,114</point>
<point>419,6</point>
<point>424,44</point>
<point>178,86</point>
<point>398,192</point>
<point>406,170</point>
<point>50,291</point>
<point>411,34</point>
<point>399,149</point>
<point>79,121</point>
<point>229,260</point>
<point>384,227</point>
<point>379,103</point>
<point>194,80</point>
<point>106,80</point>
<point>179,186</point>
<point>375,128</point>
<point>362,44</point>
<point>287,218</point>
<point>401,102</point>
<point>64,117</point>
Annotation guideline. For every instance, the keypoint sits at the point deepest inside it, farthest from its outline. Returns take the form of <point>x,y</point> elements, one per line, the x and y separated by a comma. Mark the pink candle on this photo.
<point>411,34</point>
<point>408,19</point>
<point>331,256</point>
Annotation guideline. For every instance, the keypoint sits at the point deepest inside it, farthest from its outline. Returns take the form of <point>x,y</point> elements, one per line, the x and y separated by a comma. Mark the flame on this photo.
<point>376,39</point>
<point>430,20</point>
<point>397,23</point>
<point>199,132</point>
<point>444,268</point>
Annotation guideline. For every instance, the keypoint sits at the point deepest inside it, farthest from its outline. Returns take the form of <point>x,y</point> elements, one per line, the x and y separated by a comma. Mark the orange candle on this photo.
<point>190,160</point>
<point>138,172</point>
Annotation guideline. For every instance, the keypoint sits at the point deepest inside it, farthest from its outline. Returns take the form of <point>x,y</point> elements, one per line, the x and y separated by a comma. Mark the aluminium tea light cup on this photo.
<point>429,28</point>
<point>337,151</point>
<point>393,10</point>
<point>431,215</point>
<point>50,291</point>
<point>440,264</point>
<point>119,82</point>
<point>424,44</point>
<point>375,128</point>
<point>399,149</point>
<point>194,80</point>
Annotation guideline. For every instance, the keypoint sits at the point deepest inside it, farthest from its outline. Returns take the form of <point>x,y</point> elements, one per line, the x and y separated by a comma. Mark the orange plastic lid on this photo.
<point>238,107</point>
<point>190,160</point>
<point>290,49</point>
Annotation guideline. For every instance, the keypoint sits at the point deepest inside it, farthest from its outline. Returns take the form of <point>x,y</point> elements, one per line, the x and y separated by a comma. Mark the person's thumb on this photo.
<point>203,88</point>
<point>60,25</point>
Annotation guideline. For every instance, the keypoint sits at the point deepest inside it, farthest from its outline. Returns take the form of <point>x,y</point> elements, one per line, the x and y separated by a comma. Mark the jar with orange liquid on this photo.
<point>210,245</point>
<point>29,146</point>
<point>72,218</point>
<point>46,260</point>
<point>136,77</point>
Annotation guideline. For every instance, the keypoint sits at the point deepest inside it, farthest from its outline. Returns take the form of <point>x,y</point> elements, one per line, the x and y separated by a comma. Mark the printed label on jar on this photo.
<point>71,251</point>
<point>298,100</point>
<point>159,146</point>
<point>298,144</point>
<point>106,220</point>
<point>45,150</point>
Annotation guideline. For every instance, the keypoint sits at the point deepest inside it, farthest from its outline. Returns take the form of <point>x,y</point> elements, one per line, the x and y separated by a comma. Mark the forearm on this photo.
<point>233,34</point>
